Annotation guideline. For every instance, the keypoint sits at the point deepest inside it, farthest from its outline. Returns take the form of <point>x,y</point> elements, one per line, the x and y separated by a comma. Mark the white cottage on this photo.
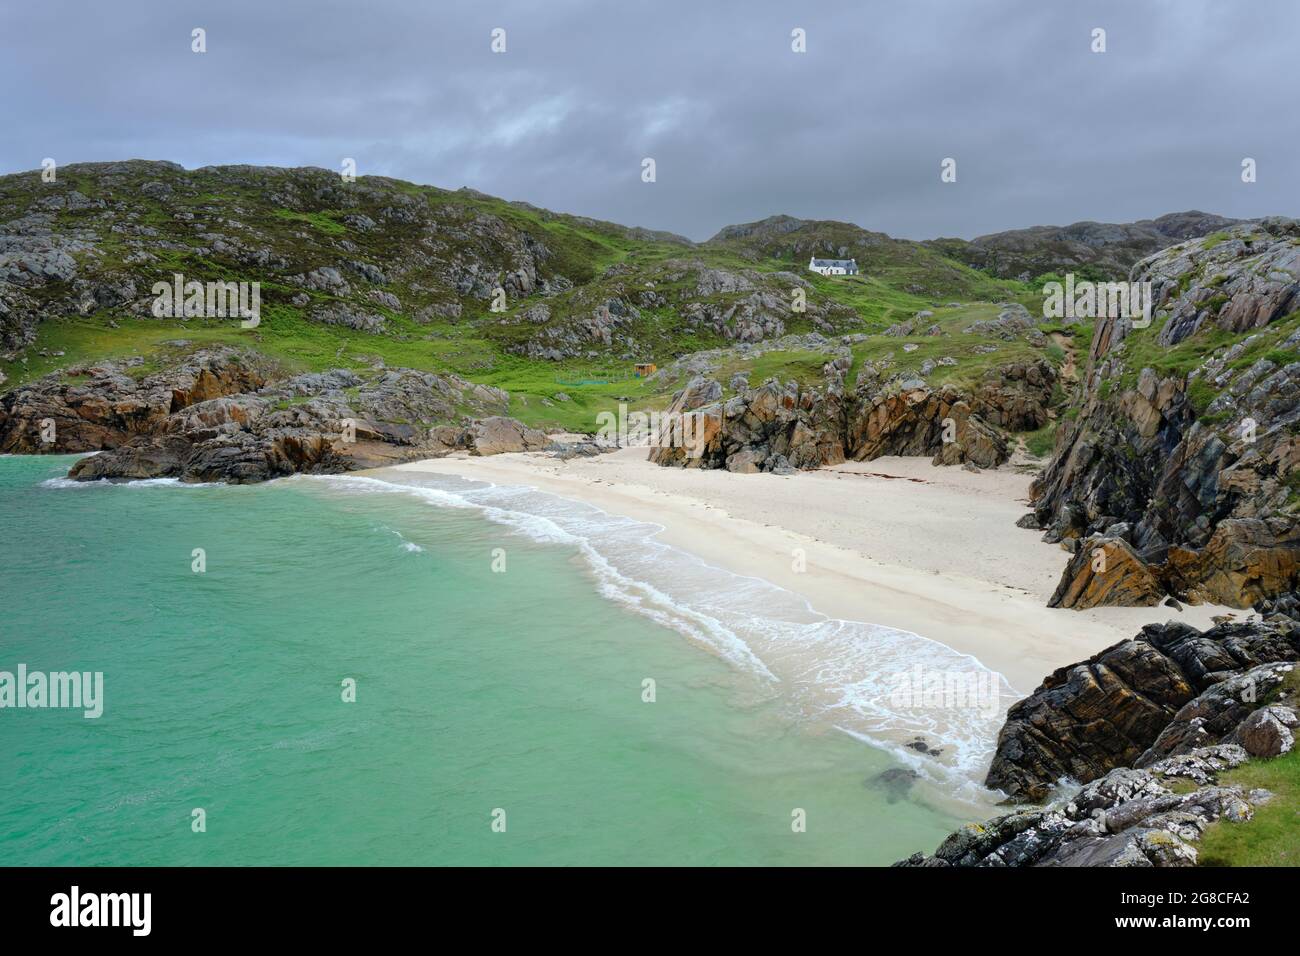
<point>833,267</point>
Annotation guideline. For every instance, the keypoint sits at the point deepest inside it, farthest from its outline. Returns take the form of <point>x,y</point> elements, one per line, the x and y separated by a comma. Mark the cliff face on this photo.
<point>1185,481</point>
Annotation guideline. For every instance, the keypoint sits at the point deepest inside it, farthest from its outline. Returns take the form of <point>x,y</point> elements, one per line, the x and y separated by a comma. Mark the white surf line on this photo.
<point>971,743</point>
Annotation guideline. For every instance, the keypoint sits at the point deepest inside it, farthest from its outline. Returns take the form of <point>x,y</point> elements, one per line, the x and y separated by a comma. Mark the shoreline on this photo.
<point>896,542</point>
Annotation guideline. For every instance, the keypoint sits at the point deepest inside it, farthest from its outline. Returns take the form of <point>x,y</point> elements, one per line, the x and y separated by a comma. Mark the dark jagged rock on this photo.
<point>1136,724</point>
<point>1124,706</point>
<point>1209,501</point>
<point>1106,571</point>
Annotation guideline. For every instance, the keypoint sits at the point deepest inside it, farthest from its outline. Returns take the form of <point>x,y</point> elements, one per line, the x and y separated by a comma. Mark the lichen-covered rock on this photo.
<point>1268,732</point>
<point>1087,722</point>
<point>1246,279</point>
<point>1218,712</point>
<point>1128,818</point>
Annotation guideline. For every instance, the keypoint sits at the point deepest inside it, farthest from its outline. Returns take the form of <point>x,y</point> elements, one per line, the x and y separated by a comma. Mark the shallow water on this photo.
<point>477,690</point>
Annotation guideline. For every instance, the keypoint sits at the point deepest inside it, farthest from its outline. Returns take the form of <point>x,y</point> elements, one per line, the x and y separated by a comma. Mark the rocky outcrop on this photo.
<point>1128,818</point>
<point>1204,497</point>
<point>103,406</point>
<point>498,435</point>
<point>781,428</point>
<point>1246,559</point>
<point>1233,711</point>
<point>746,307</point>
<point>222,415</point>
<point>1240,279</point>
<point>774,427</point>
<point>1113,709</point>
<point>1146,727</point>
<point>1017,396</point>
<point>922,421</point>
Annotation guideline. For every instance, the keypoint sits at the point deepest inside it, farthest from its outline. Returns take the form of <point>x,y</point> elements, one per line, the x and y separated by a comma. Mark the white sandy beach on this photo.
<point>895,541</point>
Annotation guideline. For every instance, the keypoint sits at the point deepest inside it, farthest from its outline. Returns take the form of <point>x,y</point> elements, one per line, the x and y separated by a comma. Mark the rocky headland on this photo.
<point>224,414</point>
<point>1183,481</point>
<point>1147,727</point>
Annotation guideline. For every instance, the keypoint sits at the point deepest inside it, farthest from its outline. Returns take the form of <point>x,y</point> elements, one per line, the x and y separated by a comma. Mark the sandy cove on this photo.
<point>894,541</point>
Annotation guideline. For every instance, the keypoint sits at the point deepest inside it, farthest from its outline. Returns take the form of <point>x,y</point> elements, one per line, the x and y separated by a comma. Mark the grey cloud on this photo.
<point>1044,131</point>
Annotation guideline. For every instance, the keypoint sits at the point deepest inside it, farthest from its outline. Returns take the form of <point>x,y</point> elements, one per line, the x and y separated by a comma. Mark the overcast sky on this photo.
<point>1044,131</point>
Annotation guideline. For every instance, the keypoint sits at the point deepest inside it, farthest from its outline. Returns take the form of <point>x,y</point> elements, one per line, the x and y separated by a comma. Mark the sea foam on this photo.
<point>840,674</point>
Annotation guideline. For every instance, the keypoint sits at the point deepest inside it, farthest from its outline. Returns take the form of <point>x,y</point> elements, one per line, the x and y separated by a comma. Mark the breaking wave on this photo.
<point>937,710</point>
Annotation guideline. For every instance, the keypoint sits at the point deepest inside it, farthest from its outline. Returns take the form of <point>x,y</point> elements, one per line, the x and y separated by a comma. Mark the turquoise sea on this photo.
<point>478,690</point>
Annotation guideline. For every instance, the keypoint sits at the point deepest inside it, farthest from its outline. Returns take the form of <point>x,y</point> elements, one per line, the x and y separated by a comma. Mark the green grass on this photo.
<point>1141,350</point>
<point>1282,357</point>
<point>1040,443</point>
<point>1272,837</point>
<point>972,365</point>
<point>327,222</point>
<point>794,365</point>
<point>604,260</point>
<point>295,344</point>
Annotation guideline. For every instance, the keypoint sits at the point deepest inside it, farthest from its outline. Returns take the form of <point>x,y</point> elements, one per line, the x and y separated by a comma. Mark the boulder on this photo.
<point>1105,572</point>
<point>499,435</point>
<point>1268,732</point>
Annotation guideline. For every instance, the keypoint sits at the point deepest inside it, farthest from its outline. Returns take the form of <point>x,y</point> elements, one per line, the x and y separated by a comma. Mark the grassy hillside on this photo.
<point>381,272</point>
